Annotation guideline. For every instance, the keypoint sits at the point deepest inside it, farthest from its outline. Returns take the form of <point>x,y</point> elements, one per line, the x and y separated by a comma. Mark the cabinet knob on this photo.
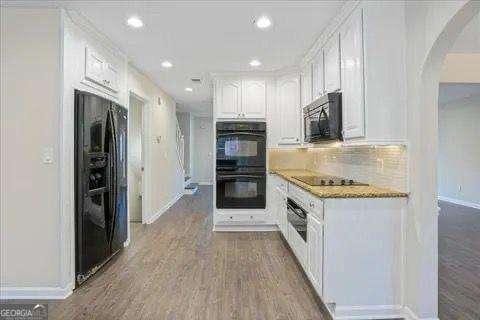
<point>312,205</point>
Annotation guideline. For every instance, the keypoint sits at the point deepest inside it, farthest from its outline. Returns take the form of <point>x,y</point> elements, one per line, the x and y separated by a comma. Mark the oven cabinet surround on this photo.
<point>239,99</point>
<point>361,55</point>
<point>354,253</point>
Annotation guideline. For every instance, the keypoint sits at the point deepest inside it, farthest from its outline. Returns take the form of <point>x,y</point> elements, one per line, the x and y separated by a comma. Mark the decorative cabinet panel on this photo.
<point>306,83</point>
<point>289,109</point>
<point>229,98</point>
<point>351,39</point>
<point>315,252</point>
<point>254,99</point>
<point>331,54</point>
<point>241,99</point>
<point>318,78</point>
<point>99,71</point>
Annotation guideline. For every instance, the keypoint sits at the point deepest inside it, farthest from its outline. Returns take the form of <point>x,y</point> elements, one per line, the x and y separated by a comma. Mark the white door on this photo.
<point>315,253</point>
<point>317,76</point>
<point>254,99</point>
<point>289,109</point>
<point>331,54</point>
<point>229,99</point>
<point>351,38</point>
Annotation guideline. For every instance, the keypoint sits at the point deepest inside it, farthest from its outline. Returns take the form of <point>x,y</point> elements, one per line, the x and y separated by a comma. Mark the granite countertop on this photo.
<point>337,192</point>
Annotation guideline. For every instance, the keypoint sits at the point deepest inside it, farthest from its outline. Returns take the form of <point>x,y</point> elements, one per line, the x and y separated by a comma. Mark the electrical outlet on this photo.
<point>47,155</point>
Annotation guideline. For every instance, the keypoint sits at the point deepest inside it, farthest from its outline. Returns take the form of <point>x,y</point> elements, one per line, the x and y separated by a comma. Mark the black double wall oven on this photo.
<point>241,165</point>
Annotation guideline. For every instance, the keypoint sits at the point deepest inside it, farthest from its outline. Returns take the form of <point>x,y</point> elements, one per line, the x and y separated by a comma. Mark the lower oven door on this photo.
<point>241,191</point>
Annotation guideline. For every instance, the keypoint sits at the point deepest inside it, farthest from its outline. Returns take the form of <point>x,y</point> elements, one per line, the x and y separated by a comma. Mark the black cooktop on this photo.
<point>328,181</point>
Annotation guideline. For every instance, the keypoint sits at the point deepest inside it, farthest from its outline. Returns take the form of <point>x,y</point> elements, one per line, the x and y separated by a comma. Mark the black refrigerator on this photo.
<point>100,182</point>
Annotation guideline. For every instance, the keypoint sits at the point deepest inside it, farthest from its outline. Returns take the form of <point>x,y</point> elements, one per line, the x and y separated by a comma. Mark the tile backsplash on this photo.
<point>383,166</point>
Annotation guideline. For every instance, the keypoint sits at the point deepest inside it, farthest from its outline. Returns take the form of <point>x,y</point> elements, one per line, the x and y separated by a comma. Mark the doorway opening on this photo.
<point>136,158</point>
<point>459,177</point>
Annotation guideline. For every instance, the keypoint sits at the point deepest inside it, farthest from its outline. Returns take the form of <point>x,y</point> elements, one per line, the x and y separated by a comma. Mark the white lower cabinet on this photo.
<point>315,253</point>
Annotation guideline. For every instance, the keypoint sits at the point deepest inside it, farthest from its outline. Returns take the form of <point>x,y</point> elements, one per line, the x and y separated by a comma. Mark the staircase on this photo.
<point>189,187</point>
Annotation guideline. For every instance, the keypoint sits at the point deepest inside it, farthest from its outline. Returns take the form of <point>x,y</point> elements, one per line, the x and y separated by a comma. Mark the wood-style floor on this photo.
<point>459,262</point>
<point>177,268</point>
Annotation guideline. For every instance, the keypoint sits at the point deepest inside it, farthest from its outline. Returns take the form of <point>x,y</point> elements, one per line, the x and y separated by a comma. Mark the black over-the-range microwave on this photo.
<point>323,118</point>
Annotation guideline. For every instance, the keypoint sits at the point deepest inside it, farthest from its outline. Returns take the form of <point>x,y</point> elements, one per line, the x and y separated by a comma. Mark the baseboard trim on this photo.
<point>368,312</point>
<point>35,293</point>
<point>408,314</point>
<point>157,215</point>
<point>460,202</point>
<point>245,228</point>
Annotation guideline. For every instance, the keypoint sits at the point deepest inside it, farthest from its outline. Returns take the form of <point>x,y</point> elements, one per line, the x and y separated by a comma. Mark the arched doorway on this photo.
<point>432,28</point>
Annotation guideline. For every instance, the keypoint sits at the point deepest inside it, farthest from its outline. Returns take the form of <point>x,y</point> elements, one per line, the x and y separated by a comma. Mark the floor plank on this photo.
<point>459,262</point>
<point>177,268</point>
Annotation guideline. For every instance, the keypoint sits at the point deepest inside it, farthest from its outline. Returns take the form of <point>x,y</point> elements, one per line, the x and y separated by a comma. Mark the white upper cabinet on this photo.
<point>289,110</point>
<point>318,87</point>
<point>229,98</point>
<point>351,39</point>
<point>331,54</point>
<point>241,99</point>
<point>306,83</point>
<point>99,71</point>
<point>254,99</point>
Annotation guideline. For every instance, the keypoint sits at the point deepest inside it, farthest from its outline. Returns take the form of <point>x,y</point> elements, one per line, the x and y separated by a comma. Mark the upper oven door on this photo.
<point>241,149</point>
<point>241,191</point>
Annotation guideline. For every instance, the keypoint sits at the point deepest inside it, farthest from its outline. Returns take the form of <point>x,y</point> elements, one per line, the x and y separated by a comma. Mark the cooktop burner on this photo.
<point>328,181</point>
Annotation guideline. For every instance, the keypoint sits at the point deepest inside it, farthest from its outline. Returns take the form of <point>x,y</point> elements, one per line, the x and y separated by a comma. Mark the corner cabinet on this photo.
<point>289,109</point>
<point>351,40</point>
<point>240,99</point>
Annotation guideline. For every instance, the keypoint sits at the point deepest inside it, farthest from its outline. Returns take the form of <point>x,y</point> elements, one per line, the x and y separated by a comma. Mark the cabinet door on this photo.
<point>94,66</point>
<point>315,253</point>
<point>318,76</point>
<point>254,99</point>
<point>331,54</point>
<point>229,99</point>
<point>306,83</point>
<point>288,102</point>
<point>111,77</point>
<point>351,38</point>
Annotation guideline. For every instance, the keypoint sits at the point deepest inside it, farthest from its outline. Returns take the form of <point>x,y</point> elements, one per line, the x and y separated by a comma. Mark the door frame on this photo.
<point>145,155</point>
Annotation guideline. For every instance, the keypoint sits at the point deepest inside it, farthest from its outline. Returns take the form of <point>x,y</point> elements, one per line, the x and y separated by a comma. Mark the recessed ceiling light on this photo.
<point>135,22</point>
<point>188,89</point>
<point>263,22</point>
<point>255,63</point>
<point>167,64</point>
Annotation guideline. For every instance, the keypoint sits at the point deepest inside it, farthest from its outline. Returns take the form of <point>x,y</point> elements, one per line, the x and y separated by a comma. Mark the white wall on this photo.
<point>431,31</point>
<point>30,115</point>
<point>459,150</point>
<point>162,166</point>
<point>202,150</point>
<point>135,116</point>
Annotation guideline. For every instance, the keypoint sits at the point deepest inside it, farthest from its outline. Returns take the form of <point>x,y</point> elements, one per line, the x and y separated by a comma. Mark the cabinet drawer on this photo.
<point>241,219</point>
<point>307,200</point>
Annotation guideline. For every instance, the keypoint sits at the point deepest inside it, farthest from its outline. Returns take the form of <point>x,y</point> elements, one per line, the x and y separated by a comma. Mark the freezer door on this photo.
<point>120,116</point>
<point>92,181</point>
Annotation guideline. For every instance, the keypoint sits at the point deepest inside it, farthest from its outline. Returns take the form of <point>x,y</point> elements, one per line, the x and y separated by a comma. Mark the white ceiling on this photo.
<point>200,37</point>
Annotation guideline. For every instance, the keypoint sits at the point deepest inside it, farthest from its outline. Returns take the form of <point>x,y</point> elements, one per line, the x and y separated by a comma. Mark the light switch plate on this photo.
<point>47,155</point>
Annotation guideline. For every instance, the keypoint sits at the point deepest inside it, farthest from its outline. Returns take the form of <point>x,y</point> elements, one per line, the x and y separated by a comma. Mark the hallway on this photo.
<point>459,262</point>
<point>216,275</point>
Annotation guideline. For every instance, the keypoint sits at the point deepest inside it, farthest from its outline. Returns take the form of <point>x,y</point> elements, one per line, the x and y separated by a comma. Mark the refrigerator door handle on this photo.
<point>114,174</point>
